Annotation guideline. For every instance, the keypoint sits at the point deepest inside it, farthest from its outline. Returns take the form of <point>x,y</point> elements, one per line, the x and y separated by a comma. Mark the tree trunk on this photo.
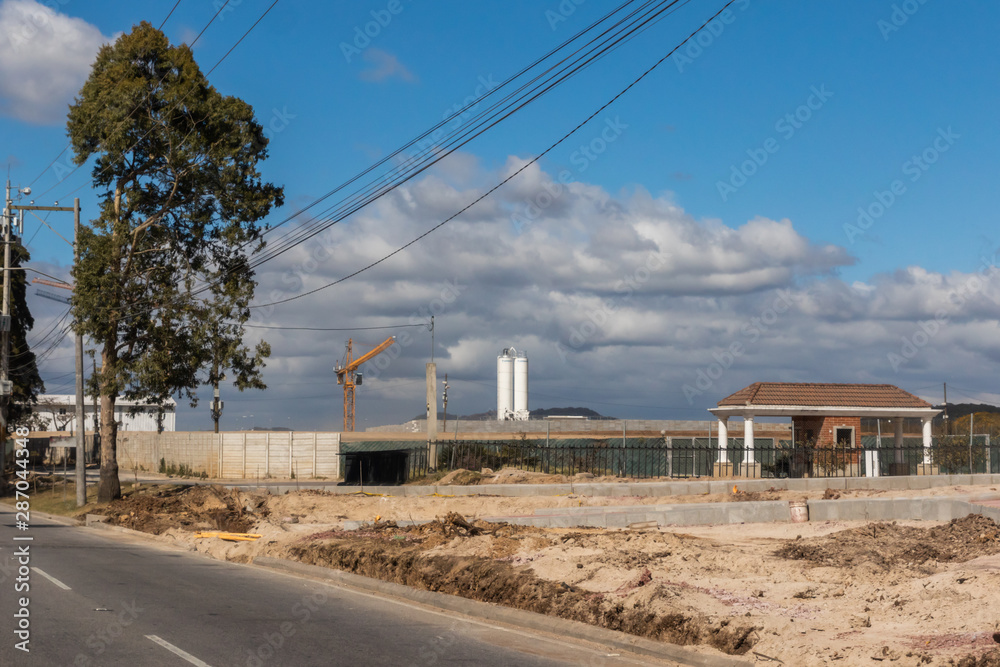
<point>110,487</point>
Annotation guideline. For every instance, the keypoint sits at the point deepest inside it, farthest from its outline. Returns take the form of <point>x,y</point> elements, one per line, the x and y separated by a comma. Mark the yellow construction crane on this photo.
<point>346,375</point>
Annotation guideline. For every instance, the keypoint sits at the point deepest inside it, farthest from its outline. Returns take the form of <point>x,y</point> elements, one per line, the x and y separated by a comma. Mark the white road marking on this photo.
<point>176,651</point>
<point>52,579</point>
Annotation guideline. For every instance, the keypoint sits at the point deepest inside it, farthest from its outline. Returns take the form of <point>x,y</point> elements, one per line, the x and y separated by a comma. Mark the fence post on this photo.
<point>267,455</point>
<point>291,439</point>
<point>244,455</point>
<point>972,417</point>
<point>621,465</point>
<point>315,473</point>
<point>669,442</point>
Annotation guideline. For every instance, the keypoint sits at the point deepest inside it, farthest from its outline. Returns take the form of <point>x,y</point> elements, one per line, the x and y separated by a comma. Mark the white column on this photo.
<point>723,441</point>
<point>748,439</point>
<point>898,439</point>
<point>927,440</point>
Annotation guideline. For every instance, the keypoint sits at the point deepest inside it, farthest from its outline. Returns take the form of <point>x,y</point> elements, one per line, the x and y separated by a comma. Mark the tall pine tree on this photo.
<point>163,280</point>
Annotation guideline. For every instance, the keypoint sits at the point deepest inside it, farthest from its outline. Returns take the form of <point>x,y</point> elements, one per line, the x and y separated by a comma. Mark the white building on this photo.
<point>60,411</point>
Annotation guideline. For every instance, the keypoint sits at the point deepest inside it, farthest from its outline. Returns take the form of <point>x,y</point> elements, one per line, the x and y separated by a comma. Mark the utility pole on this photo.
<point>216,405</point>
<point>5,386</point>
<point>81,424</point>
<point>945,418</point>
<point>97,415</point>
<point>444,429</point>
<point>81,471</point>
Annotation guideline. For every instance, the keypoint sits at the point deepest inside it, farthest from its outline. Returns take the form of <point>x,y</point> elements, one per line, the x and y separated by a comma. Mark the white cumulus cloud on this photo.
<point>45,57</point>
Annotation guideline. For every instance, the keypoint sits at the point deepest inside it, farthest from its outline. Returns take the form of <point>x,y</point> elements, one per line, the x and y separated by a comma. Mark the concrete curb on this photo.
<point>158,539</point>
<point>493,612</point>
<point>648,488</point>
<point>56,518</point>
<point>764,511</point>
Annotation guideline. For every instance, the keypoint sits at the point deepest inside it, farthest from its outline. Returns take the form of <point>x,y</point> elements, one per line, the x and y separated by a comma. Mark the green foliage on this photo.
<point>23,368</point>
<point>163,282</point>
<point>179,470</point>
<point>982,422</point>
<point>953,454</point>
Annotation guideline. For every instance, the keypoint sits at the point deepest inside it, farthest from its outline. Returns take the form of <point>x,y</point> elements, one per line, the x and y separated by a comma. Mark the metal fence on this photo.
<point>700,457</point>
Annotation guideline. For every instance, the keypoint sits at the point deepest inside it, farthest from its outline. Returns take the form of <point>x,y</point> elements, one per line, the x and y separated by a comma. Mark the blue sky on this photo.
<point>729,180</point>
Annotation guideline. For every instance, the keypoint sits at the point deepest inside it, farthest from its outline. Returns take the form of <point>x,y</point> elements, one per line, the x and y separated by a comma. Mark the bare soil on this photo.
<point>817,593</point>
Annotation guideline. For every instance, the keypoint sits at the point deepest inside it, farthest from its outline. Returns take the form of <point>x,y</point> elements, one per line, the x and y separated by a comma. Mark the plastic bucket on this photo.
<point>799,511</point>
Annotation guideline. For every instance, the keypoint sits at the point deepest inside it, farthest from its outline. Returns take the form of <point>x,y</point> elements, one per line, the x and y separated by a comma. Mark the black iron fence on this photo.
<point>701,457</point>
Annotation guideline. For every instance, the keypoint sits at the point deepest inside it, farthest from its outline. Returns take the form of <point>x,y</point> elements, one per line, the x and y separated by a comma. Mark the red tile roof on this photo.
<point>824,394</point>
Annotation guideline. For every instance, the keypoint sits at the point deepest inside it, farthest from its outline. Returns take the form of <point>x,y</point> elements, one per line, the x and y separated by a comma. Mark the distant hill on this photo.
<point>541,413</point>
<point>959,410</point>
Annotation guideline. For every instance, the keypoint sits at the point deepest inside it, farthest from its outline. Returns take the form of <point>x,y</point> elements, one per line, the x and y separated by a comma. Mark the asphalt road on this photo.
<point>100,600</point>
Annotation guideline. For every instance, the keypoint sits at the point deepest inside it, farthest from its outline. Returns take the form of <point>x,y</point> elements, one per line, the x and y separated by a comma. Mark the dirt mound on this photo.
<point>991,659</point>
<point>515,476</point>
<point>158,509</point>
<point>400,555</point>
<point>461,477</point>
<point>888,545</point>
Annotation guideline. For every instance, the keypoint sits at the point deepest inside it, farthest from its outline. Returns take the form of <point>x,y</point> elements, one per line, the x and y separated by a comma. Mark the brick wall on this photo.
<point>824,429</point>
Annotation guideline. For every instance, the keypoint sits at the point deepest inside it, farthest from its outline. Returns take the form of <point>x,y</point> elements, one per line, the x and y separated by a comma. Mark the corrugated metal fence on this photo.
<point>241,455</point>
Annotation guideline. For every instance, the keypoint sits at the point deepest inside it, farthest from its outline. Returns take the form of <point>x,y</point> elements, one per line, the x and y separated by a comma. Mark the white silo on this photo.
<point>521,387</point>
<point>505,384</point>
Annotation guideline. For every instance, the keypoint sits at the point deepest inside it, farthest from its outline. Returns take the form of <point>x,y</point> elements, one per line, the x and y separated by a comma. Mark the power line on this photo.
<point>226,55</point>
<point>147,96</point>
<point>492,115</point>
<point>508,178</point>
<point>218,62</point>
<point>388,326</point>
<point>606,46</point>
<point>433,151</point>
<point>169,14</point>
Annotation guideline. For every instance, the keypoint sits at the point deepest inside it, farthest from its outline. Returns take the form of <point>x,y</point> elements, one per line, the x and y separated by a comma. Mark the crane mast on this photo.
<point>347,376</point>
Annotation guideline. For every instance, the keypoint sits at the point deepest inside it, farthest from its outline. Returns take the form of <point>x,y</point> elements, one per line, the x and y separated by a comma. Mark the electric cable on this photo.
<point>469,130</point>
<point>137,106</point>
<point>388,326</point>
<point>508,178</point>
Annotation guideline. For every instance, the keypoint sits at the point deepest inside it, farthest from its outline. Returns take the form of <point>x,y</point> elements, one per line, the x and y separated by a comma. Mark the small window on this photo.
<point>62,411</point>
<point>845,437</point>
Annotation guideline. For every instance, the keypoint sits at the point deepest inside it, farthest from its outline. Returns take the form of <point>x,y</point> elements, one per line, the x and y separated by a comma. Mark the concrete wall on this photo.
<point>603,426</point>
<point>240,455</point>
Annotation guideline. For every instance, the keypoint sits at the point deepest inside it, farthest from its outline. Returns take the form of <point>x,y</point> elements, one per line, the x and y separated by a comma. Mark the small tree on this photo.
<point>162,281</point>
<point>954,454</point>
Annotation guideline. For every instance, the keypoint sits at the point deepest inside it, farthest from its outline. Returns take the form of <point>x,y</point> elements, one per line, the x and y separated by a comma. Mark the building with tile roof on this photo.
<point>824,413</point>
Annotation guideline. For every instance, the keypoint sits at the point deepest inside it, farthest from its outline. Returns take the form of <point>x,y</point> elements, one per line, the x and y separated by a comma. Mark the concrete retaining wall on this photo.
<point>240,455</point>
